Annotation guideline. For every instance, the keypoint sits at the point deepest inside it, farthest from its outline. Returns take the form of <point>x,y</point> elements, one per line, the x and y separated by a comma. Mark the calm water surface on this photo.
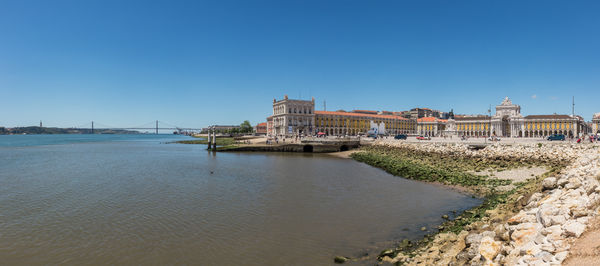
<point>132,199</point>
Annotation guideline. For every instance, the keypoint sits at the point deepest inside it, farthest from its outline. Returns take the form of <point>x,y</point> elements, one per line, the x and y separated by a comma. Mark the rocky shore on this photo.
<point>533,224</point>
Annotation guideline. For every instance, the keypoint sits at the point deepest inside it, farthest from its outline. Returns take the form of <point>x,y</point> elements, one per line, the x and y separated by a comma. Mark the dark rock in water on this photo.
<point>386,253</point>
<point>340,259</point>
<point>405,242</point>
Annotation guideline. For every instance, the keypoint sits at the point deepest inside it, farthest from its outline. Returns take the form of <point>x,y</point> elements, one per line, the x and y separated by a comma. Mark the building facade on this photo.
<point>595,126</point>
<point>431,126</point>
<point>417,113</point>
<point>468,126</point>
<point>299,118</point>
<point>261,129</point>
<point>508,122</point>
<point>293,117</point>
<point>355,123</point>
<point>270,126</point>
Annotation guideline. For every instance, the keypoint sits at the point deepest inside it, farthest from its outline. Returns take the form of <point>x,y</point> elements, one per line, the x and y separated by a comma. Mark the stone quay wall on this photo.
<point>548,221</point>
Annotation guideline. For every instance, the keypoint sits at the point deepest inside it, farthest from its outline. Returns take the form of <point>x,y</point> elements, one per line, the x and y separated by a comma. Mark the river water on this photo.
<point>134,199</point>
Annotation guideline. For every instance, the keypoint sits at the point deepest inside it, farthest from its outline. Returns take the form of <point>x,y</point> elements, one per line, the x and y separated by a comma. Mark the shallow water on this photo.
<point>132,199</point>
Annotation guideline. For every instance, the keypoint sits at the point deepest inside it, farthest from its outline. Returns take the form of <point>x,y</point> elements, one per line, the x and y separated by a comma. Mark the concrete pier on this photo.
<point>308,146</point>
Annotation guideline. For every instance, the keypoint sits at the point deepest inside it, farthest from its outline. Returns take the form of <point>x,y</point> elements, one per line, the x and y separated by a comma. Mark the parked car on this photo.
<point>556,137</point>
<point>401,136</point>
<point>423,138</point>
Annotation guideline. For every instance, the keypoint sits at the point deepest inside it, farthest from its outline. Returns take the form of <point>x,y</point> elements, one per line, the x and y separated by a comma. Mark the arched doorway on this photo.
<point>307,148</point>
<point>505,126</point>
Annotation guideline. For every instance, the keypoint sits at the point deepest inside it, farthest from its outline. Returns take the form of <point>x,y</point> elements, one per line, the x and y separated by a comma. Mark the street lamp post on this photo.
<point>490,118</point>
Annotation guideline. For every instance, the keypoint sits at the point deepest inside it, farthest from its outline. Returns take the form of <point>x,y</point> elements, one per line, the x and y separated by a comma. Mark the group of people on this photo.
<point>592,138</point>
<point>276,139</point>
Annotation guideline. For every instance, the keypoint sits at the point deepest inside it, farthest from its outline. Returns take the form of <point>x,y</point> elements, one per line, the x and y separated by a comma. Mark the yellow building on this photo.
<point>473,126</point>
<point>508,122</point>
<point>531,126</point>
<point>352,123</point>
<point>431,126</point>
<point>595,127</point>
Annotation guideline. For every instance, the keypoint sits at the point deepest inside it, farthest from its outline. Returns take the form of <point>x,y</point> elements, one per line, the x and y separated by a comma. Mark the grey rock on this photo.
<point>574,228</point>
<point>562,182</point>
<point>549,183</point>
<point>545,256</point>
<point>473,239</point>
<point>561,256</point>
<point>558,220</point>
<point>574,182</point>
<point>340,259</point>
<point>491,234</point>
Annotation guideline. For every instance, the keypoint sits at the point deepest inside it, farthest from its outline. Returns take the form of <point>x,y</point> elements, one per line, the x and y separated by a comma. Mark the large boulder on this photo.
<point>549,183</point>
<point>488,248</point>
<point>573,228</point>
<point>525,232</point>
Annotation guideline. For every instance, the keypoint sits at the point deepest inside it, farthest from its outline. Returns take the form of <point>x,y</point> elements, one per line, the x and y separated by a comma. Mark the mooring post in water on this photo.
<point>215,140</point>
<point>208,139</point>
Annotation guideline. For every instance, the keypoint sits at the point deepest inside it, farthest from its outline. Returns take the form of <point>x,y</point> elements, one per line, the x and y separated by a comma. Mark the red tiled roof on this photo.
<point>364,111</point>
<point>431,119</point>
<point>548,117</point>
<point>359,115</point>
<point>471,118</point>
<point>264,124</point>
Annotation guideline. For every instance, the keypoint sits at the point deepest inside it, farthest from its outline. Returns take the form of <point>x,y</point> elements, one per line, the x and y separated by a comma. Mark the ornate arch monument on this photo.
<point>508,122</point>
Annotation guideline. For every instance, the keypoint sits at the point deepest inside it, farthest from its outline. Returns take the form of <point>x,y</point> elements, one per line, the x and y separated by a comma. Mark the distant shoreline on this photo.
<point>56,130</point>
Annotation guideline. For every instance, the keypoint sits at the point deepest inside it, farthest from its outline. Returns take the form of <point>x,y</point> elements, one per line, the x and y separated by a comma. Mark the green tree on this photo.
<point>246,127</point>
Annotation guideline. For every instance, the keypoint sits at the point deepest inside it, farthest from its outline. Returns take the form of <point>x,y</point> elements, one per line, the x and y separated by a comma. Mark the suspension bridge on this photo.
<point>154,125</point>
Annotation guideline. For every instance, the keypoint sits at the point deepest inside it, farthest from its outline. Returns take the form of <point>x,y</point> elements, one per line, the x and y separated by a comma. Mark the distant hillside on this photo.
<point>56,130</point>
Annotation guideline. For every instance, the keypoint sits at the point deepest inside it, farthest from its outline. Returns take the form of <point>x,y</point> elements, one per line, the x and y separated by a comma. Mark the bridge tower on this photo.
<point>92,127</point>
<point>156,127</point>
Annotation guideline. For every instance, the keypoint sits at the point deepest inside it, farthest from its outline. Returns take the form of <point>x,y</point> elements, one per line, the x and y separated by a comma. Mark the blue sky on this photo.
<point>194,63</point>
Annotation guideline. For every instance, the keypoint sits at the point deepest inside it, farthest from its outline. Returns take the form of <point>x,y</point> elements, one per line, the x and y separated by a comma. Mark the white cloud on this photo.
<point>534,96</point>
